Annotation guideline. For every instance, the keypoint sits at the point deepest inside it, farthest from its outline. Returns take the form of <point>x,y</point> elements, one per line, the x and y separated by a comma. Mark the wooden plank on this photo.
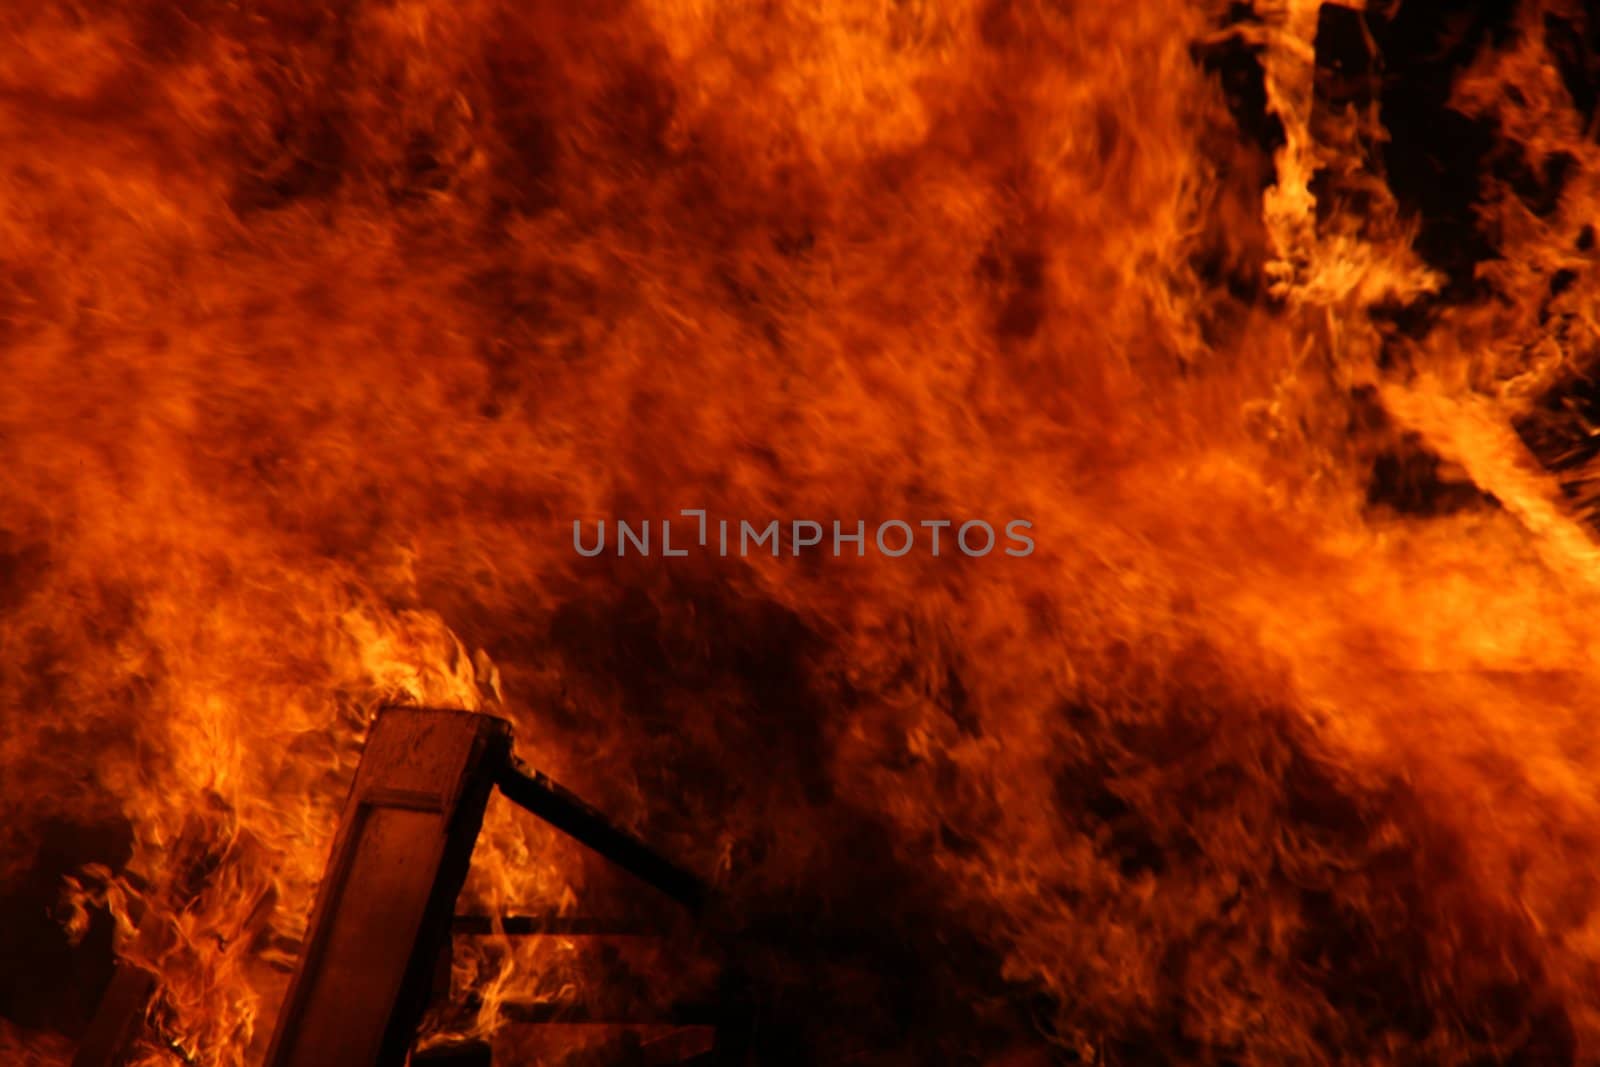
<point>557,924</point>
<point>383,912</point>
<point>577,1012</point>
<point>687,1045</point>
<point>455,1054</point>
<point>120,1016</point>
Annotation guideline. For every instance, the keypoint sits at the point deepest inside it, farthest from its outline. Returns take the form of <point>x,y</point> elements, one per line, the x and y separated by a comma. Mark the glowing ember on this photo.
<point>322,324</point>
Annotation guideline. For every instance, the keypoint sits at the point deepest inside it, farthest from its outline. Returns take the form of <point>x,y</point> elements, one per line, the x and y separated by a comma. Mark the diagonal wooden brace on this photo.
<point>570,814</point>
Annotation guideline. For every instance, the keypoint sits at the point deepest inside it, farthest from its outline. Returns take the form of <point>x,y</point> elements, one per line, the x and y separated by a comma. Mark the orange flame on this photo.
<point>320,325</point>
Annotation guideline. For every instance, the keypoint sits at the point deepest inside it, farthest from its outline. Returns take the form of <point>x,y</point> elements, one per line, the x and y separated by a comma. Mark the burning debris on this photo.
<point>1276,322</point>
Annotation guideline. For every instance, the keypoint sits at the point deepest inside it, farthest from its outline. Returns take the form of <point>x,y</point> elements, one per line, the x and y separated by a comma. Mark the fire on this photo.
<point>322,324</point>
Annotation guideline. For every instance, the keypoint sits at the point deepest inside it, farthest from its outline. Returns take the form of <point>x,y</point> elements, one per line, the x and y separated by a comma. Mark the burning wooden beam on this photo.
<point>384,911</point>
<point>568,813</point>
<point>382,916</point>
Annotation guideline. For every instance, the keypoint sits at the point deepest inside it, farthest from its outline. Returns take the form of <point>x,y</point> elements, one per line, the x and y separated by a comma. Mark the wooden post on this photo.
<point>384,908</point>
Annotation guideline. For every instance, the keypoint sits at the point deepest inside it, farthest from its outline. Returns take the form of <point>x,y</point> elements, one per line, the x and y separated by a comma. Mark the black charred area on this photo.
<point>1394,948</point>
<point>1561,428</point>
<point>1410,479</point>
<point>48,981</point>
<point>1574,43</point>
<point>1405,59</point>
<point>1229,257</point>
<point>1563,431</point>
<point>1438,163</point>
<point>1405,477</point>
<point>1161,797</point>
<point>1237,65</point>
<point>864,954</point>
<point>691,642</point>
<point>811,955</point>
